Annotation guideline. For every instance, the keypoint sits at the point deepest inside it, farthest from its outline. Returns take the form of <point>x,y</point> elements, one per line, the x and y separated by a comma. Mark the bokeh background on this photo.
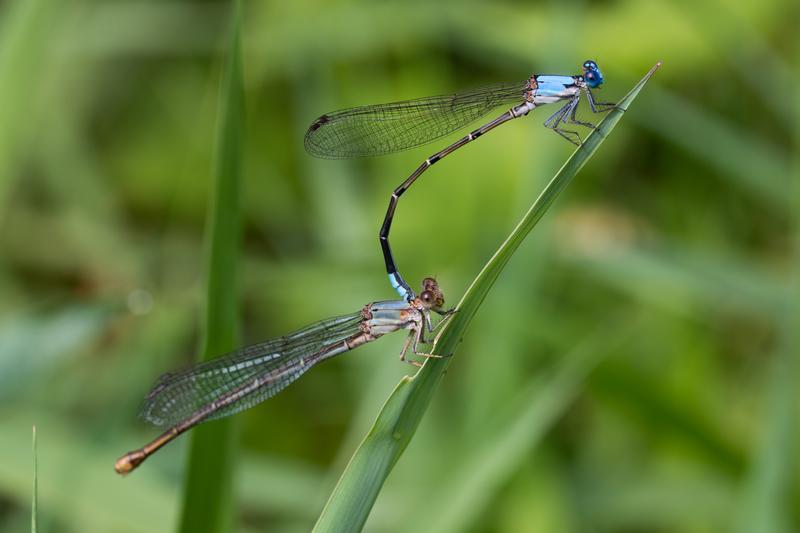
<point>632,370</point>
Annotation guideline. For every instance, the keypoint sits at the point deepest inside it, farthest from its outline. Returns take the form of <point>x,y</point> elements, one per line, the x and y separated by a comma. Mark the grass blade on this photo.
<point>771,491</point>
<point>766,499</point>
<point>517,431</point>
<point>35,496</point>
<point>749,161</point>
<point>208,498</point>
<point>352,499</point>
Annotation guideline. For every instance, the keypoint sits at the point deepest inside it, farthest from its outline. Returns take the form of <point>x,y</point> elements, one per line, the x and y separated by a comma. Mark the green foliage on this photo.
<point>209,500</point>
<point>35,493</point>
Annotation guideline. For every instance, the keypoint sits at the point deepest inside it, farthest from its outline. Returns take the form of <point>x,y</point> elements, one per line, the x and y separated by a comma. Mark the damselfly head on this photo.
<point>591,74</point>
<point>431,297</point>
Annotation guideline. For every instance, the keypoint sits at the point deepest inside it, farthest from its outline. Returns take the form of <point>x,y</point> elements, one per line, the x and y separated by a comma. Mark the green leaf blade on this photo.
<point>35,495</point>
<point>208,501</point>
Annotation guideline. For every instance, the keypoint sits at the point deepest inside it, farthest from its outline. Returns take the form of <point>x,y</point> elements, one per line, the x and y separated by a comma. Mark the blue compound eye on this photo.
<point>590,65</point>
<point>593,78</point>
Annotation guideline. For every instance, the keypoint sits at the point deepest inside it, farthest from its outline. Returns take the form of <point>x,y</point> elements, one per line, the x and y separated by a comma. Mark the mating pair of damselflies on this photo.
<point>245,377</point>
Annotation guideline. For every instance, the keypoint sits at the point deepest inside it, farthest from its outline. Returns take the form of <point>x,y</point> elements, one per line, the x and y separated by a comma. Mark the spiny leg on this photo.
<point>555,119</point>
<point>570,118</point>
<point>598,107</point>
<point>417,335</point>
<point>444,314</point>
<point>406,344</point>
<point>576,141</point>
<point>412,340</point>
<point>421,338</point>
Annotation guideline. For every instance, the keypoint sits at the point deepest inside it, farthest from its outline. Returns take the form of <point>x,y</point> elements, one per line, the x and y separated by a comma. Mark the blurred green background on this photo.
<point>632,370</point>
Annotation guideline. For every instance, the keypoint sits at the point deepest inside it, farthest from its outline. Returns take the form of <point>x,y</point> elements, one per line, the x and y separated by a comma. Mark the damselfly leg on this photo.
<point>554,121</point>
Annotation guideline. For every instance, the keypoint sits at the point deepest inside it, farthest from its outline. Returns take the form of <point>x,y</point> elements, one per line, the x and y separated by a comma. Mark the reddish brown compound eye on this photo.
<point>426,296</point>
<point>429,284</point>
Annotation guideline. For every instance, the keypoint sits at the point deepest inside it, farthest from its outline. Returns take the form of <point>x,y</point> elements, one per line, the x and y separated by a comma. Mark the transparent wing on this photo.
<point>275,363</point>
<point>386,128</point>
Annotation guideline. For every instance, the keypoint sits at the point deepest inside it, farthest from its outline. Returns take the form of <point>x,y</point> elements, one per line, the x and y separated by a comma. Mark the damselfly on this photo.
<point>241,379</point>
<point>386,128</point>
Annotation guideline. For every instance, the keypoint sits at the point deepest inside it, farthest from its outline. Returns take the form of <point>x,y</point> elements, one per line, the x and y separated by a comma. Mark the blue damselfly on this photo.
<point>387,128</point>
<point>243,378</point>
